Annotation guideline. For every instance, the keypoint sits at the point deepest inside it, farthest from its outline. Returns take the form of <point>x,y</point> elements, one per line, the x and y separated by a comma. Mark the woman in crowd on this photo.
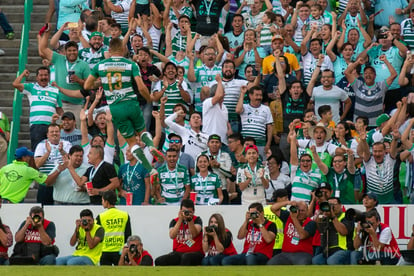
<point>253,178</point>
<point>277,179</point>
<point>205,183</point>
<point>217,241</point>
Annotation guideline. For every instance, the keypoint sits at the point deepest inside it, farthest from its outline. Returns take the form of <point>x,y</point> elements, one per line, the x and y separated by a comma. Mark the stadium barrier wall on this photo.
<point>151,222</point>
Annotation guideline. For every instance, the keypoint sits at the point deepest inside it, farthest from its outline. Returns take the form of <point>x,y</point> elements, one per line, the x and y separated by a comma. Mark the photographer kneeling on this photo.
<point>88,238</point>
<point>134,254</point>
<point>336,234</point>
<point>375,242</point>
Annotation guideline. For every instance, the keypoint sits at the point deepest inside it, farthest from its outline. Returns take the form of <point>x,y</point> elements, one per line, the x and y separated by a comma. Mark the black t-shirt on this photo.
<point>293,109</point>
<point>145,73</point>
<point>203,27</point>
<point>101,179</point>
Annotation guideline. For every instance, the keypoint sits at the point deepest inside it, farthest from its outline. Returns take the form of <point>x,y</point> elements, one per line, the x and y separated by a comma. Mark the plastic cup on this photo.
<point>193,196</point>
<point>89,185</point>
<point>129,199</point>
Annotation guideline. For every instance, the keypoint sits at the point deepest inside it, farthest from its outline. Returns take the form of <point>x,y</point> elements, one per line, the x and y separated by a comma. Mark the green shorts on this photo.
<point>127,117</point>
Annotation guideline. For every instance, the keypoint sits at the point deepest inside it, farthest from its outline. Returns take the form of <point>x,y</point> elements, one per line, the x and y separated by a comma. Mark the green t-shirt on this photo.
<point>4,122</point>
<point>116,74</point>
<point>91,57</point>
<point>62,66</point>
<point>16,179</point>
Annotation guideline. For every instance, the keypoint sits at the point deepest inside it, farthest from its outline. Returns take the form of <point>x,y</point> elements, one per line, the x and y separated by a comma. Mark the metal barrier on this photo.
<point>17,100</point>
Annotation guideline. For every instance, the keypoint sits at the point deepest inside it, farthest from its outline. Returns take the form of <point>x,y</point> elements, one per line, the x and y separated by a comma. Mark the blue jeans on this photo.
<point>340,257</point>
<point>5,24</point>
<point>74,260</point>
<point>245,259</point>
<point>48,260</point>
<point>213,260</point>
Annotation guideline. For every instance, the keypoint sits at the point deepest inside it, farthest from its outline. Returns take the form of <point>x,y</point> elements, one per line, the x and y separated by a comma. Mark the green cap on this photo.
<point>382,119</point>
<point>96,34</point>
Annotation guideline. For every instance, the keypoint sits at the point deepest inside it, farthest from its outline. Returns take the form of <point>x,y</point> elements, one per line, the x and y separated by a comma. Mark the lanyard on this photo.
<point>338,181</point>
<point>208,7</point>
<point>203,182</point>
<point>130,175</point>
<point>253,174</point>
<point>252,240</point>
<point>176,179</point>
<point>94,171</point>
<point>217,157</point>
<point>72,66</point>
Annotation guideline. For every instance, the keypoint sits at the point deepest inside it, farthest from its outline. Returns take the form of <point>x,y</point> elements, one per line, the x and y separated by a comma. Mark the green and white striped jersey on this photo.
<point>206,188</point>
<point>116,74</point>
<point>43,102</point>
<point>173,182</point>
<point>91,57</point>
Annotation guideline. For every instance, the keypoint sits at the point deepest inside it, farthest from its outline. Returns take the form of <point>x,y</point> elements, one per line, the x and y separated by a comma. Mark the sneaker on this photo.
<point>2,52</point>
<point>10,36</point>
<point>157,154</point>
<point>44,29</point>
<point>153,173</point>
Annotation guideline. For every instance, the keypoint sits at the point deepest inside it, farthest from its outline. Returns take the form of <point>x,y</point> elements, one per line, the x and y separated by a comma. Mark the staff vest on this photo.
<point>114,222</point>
<point>82,249</point>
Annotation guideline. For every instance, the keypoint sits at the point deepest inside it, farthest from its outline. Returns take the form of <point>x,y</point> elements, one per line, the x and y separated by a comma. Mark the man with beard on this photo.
<point>176,142</point>
<point>44,101</point>
<point>48,154</point>
<point>232,88</point>
<point>256,118</point>
<point>328,93</point>
<point>96,52</point>
<point>71,72</point>
<point>174,89</point>
<point>203,75</point>
<point>69,132</point>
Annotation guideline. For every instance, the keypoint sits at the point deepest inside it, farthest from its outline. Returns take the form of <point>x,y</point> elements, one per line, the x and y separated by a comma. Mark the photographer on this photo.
<point>336,234</point>
<point>185,231</point>
<point>88,238</point>
<point>6,240</point>
<point>375,241</point>
<point>298,235</point>
<point>134,254</point>
<point>259,237</point>
<point>35,239</point>
<point>217,241</point>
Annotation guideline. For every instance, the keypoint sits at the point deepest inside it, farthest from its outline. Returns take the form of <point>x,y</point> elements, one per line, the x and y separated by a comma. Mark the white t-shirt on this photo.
<point>333,97</point>
<point>215,119</point>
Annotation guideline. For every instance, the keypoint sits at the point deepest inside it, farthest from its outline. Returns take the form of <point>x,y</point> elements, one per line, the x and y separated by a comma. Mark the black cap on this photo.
<point>68,115</point>
<point>174,135</point>
<point>325,185</point>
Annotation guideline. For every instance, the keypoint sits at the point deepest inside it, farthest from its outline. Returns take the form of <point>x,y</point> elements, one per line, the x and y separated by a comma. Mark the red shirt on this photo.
<point>228,251</point>
<point>291,241</point>
<point>254,241</point>
<point>185,242</point>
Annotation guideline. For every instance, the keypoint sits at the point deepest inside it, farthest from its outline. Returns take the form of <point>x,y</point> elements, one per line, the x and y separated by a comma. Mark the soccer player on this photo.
<point>117,74</point>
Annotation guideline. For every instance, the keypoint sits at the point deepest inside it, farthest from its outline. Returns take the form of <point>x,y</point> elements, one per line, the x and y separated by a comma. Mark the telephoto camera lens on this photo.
<point>186,213</point>
<point>85,222</point>
<point>132,248</point>
<point>254,215</point>
<point>293,209</point>
<point>36,218</point>
<point>325,206</point>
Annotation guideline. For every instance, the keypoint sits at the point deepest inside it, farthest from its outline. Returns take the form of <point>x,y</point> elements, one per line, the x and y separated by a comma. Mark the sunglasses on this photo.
<point>175,141</point>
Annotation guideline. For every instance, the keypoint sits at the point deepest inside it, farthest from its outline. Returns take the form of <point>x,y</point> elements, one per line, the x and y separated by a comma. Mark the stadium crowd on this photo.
<point>262,103</point>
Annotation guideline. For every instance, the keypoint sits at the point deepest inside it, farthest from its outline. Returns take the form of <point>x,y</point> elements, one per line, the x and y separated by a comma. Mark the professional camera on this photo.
<point>36,218</point>
<point>293,209</point>
<point>318,193</point>
<point>355,215</point>
<point>325,206</point>
<point>211,229</point>
<point>254,215</point>
<point>84,222</point>
<point>366,225</point>
<point>186,213</point>
<point>133,248</point>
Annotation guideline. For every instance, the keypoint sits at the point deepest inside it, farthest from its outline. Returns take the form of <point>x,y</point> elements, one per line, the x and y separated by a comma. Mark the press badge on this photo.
<point>295,241</point>
<point>190,243</point>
